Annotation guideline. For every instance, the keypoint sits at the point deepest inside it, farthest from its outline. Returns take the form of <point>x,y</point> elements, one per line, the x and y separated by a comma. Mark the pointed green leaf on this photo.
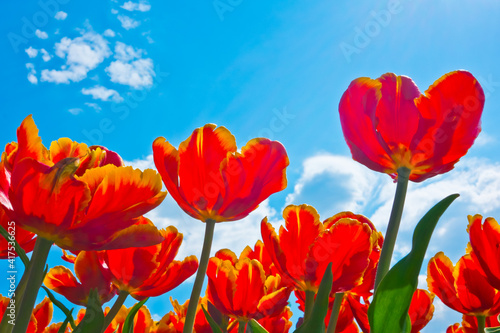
<point>94,316</point>
<point>213,325</point>
<point>62,329</point>
<point>61,306</point>
<point>492,329</point>
<point>128,325</point>
<point>255,327</point>
<point>391,302</point>
<point>316,323</point>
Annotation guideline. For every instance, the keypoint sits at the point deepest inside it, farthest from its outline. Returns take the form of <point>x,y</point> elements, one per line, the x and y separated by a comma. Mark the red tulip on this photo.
<point>389,124</point>
<point>149,271</point>
<point>24,238</point>
<point>305,247</point>
<point>209,179</point>
<point>462,287</point>
<point>421,309</point>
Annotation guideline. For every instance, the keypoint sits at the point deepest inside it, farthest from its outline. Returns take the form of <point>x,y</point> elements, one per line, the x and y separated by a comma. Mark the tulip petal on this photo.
<point>61,280</point>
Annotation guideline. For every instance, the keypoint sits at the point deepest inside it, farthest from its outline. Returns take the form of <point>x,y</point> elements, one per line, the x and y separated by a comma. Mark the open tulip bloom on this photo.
<point>85,201</point>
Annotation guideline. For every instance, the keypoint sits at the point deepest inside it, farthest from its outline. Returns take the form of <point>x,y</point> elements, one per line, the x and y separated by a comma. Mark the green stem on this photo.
<point>393,227</point>
<point>241,326</point>
<point>335,312</point>
<point>481,324</point>
<point>308,304</point>
<point>35,275</point>
<point>122,296</point>
<point>5,327</point>
<point>200,276</point>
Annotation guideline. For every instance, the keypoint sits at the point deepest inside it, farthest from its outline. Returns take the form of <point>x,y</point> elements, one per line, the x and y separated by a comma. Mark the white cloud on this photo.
<point>45,55</point>
<point>484,139</point>
<point>32,53</point>
<point>31,75</point>
<point>128,22</point>
<point>82,54</point>
<point>114,11</point>
<point>141,6</point>
<point>41,34</point>
<point>94,106</point>
<point>61,15</point>
<point>129,68</point>
<point>109,33</point>
<point>103,93</point>
<point>75,111</point>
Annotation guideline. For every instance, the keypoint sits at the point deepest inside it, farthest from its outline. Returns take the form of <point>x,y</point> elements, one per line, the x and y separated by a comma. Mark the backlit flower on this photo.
<point>462,287</point>
<point>240,288</point>
<point>149,271</point>
<point>209,179</point>
<point>388,123</point>
<point>173,322</point>
<point>90,274</point>
<point>40,317</point>
<point>421,309</point>
<point>25,238</point>
<point>305,246</point>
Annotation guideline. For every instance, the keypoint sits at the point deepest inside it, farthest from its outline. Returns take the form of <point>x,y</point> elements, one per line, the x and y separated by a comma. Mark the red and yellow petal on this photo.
<point>251,176</point>
<point>29,145</point>
<point>485,240</point>
<point>61,280</point>
<point>24,238</point>
<point>421,309</point>
<point>43,314</point>
<point>441,281</point>
<point>348,245</point>
<point>249,285</point>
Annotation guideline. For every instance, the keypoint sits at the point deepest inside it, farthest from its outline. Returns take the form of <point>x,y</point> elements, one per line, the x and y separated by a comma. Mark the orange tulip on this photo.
<point>276,324</point>
<point>389,124</point>
<point>143,323</point>
<point>240,288</point>
<point>173,322</point>
<point>485,241</point>
<point>209,179</point>
<point>305,247</point>
<point>462,287</point>
<point>149,271</point>
<point>91,274</point>
<point>40,317</point>
<point>91,212</point>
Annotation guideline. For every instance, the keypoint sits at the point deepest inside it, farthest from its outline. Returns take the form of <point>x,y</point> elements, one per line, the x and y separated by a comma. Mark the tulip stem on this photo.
<point>335,312</point>
<point>308,307</point>
<point>393,227</point>
<point>200,276</point>
<point>481,324</point>
<point>241,326</point>
<point>35,274</point>
<point>122,296</point>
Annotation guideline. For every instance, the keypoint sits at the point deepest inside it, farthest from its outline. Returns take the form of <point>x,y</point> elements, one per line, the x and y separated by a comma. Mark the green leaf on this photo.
<point>128,325</point>
<point>316,323</point>
<point>492,329</point>
<point>19,250</point>
<point>211,321</point>
<point>93,320</point>
<point>255,327</point>
<point>61,306</point>
<point>391,302</point>
<point>62,329</point>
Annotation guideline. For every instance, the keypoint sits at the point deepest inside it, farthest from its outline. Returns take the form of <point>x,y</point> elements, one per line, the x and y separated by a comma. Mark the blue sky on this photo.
<point>121,73</point>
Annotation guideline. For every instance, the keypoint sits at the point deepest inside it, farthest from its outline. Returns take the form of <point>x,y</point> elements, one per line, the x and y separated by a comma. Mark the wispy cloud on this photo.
<point>141,6</point>
<point>31,75</point>
<point>41,34</point>
<point>75,111</point>
<point>128,22</point>
<point>130,68</point>
<point>109,33</point>
<point>32,53</point>
<point>82,54</point>
<point>103,93</point>
<point>94,106</point>
<point>45,55</point>
<point>61,15</point>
